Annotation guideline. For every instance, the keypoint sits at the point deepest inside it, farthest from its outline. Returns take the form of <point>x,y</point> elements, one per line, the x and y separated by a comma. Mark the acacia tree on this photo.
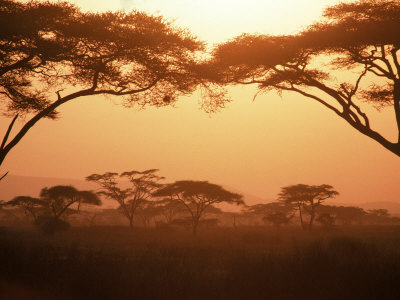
<point>197,196</point>
<point>142,185</point>
<point>361,39</point>
<point>345,214</point>
<point>53,204</point>
<point>31,206</point>
<point>276,212</point>
<point>170,208</point>
<point>306,199</point>
<point>52,53</point>
<point>61,199</point>
<point>148,211</point>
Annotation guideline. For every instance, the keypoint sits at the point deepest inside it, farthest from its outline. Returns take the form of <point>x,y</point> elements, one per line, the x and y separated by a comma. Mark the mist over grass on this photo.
<point>223,263</point>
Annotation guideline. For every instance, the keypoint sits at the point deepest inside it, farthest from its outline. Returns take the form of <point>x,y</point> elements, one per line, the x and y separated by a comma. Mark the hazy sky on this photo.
<point>255,147</point>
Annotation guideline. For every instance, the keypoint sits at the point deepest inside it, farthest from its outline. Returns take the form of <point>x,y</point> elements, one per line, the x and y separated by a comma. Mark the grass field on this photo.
<point>249,263</point>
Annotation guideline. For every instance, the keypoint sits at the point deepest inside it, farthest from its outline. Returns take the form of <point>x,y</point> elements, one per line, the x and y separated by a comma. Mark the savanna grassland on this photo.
<point>222,263</point>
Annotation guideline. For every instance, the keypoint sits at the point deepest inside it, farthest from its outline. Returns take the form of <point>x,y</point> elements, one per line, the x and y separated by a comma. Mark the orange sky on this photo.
<point>255,147</point>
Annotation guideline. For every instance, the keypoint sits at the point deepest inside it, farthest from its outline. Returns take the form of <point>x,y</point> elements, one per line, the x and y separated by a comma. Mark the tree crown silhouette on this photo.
<point>360,37</point>
<point>52,53</point>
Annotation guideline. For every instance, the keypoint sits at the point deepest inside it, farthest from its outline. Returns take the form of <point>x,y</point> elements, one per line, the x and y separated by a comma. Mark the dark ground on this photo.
<point>250,263</point>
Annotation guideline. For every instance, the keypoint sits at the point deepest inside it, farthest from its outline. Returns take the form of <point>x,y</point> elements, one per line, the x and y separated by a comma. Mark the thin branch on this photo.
<point>8,132</point>
<point>15,65</point>
<point>3,176</point>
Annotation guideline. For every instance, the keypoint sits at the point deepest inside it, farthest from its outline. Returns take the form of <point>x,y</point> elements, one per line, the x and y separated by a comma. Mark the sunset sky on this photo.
<point>254,147</point>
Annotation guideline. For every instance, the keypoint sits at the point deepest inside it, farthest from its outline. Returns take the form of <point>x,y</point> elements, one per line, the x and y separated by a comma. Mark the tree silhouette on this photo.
<point>148,211</point>
<point>326,220</point>
<point>345,214</point>
<point>360,38</point>
<point>306,199</point>
<point>197,196</point>
<point>276,213</point>
<point>53,204</point>
<point>170,208</point>
<point>61,199</point>
<point>52,53</point>
<point>129,199</point>
<point>31,206</point>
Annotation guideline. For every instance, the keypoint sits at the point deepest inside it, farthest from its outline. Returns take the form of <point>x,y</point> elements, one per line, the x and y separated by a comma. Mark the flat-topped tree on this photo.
<point>53,205</point>
<point>52,53</point>
<point>306,199</point>
<point>197,196</point>
<point>142,185</point>
<point>363,43</point>
<point>31,206</point>
<point>64,199</point>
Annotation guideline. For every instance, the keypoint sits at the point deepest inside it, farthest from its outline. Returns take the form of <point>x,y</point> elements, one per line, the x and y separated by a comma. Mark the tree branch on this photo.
<point>8,132</point>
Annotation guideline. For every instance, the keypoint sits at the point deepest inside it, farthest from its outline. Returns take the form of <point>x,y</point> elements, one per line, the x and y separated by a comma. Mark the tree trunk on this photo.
<point>301,217</point>
<point>312,215</point>
<point>396,100</point>
<point>131,222</point>
<point>195,225</point>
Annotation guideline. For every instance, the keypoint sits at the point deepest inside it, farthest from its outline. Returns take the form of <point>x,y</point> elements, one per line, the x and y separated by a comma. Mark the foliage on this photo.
<point>53,204</point>
<point>344,214</point>
<point>170,208</point>
<point>142,185</point>
<point>326,220</point>
<point>30,205</point>
<point>306,198</point>
<point>60,199</point>
<point>197,196</point>
<point>276,213</point>
<point>52,53</point>
<point>360,37</point>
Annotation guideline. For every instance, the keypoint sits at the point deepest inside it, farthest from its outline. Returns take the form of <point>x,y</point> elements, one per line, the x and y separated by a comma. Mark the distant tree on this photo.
<point>362,41</point>
<point>52,53</point>
<point>326,220</point>
<point>142,184</point>
<point>379,216</point>
<point>197,196</point>
<point>380,212</point>
<point>306,199</point>
<point>344,214</point>
<point>61,199</point>
<point>53,204</point>
<point>31,206</point>
<point>276,213</point>
<point>170,208</point>
<point>148,211</point>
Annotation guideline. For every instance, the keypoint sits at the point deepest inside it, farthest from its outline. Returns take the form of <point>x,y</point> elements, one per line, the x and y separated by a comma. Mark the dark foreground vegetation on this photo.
<point>246,263</point>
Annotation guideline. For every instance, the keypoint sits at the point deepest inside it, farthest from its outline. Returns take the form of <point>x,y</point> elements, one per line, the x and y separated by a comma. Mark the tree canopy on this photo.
<point>60,198</point>
<point>52,53</point>
<point>197,196</point>
<point>306,198</point>
<point>359,37</point>
<point>130,199</point>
